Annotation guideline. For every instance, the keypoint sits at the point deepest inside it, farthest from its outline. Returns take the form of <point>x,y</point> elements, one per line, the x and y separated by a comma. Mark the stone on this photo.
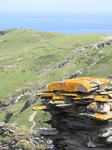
<point>11,130</point>
<point>10,143</point>
<point>99,107</point>
<point>21,134</point>
<point>2,32</point>
<point>8,116</point>
<point>109,140</point>
<point>48,132</point>
<point>106,134</point>
<point>81,113</point>
<point>49,142</point>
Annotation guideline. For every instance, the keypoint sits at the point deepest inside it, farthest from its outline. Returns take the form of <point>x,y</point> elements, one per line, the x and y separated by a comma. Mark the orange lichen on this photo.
<point>55,97</point>
<point>46,94</point>
<point>102,99</point>
<point>73,85</point>
<point>93,105</point>
<point>57,102</point>
<point>104,117</point>
<point>70,95</point>
<point>77,99</point>
<point>73,96</point>
<point>86,90</point>
<point>78,84</point>
<point>38,107</point>
<point>88,97</point>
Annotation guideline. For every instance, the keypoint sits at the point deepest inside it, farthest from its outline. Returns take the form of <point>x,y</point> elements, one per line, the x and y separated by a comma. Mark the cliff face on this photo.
<point>79,132</point>
<point>81,113</point>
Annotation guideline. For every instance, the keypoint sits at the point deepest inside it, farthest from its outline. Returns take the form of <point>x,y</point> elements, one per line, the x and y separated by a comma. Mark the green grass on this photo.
<point>22,119</point>
<point>29,52</point>
<point>18,117</point>
<point>41,118</point>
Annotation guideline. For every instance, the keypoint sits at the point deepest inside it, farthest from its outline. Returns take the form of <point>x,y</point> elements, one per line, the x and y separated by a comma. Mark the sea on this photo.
<point>60,23</point>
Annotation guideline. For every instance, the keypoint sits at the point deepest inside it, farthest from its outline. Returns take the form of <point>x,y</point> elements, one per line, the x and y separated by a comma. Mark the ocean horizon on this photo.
<point>60,23</point>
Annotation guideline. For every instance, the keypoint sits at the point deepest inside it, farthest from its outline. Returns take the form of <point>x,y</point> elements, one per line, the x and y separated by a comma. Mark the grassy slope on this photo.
<point>38,50</point>
<point>29,52</point>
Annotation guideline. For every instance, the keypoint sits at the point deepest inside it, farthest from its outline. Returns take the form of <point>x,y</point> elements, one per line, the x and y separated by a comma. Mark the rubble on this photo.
<point>81,110</point>
<point>14,138</point>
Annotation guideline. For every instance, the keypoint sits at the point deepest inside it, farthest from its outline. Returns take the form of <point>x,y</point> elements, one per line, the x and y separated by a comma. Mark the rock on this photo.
<point>99,107</point>
<point>101,45</point>
<point>49,142</point>
<point>105,134</point>
<point>6,67</point>
<point>12,139</point>
<point>58,65</point>
<point>8,116</point>
<point>107,43</point>
<point>100,52</point>
<point>90,143</point>
<point>48,132</point>
<point>110,76</point>
<point>11,131</point>
<point>94,47</point>
<point>18,98</point>
<point>74,75</point>
<point>2,124</point>
<point>9,67</point>
<point>21,134</point>
<point>109,140</point>
<point>2,32</point>
<point>19,59</point>
<point>27,104</point>
<point>81,114</point>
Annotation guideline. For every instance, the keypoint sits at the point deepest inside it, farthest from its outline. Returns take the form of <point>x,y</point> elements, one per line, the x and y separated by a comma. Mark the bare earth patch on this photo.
<point>31,119</point>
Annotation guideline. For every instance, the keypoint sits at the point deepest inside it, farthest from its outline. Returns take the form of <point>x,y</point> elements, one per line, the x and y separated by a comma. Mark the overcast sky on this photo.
<point>56,6</point>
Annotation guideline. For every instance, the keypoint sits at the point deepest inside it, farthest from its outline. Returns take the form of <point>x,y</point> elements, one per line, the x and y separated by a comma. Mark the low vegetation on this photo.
<point>25,53</point>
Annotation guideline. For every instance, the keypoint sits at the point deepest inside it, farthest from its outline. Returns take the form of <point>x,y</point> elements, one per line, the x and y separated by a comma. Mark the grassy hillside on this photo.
<point>25,53</point>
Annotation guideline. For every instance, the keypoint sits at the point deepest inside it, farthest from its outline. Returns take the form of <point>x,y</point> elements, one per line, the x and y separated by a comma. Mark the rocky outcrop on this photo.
<point>58,65</point>
<point>74,75</point>
<point>110,76</point>
<point>101,45</point>
<point>75,53</point>
<point>17,96</point>
<point>8,116</point>
<point>6,67</point>
<point>28,103</point>
<point>81,111</point>
<point>2,32</point>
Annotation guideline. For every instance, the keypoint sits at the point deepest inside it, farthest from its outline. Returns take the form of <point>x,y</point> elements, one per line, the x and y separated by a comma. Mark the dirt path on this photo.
<point>31,119</point>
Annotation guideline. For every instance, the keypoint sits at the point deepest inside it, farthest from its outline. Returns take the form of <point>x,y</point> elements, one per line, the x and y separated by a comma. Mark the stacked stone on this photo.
<point>81,111</point>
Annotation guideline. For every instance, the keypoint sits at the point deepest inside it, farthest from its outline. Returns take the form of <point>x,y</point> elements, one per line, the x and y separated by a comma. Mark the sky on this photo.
<point>56,6</point>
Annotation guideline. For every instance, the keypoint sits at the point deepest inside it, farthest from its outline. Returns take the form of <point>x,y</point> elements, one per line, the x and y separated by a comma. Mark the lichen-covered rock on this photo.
<point>81,113</point>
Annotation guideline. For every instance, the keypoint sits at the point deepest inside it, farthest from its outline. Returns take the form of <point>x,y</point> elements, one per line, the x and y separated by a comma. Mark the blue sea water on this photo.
<point>61,23</point>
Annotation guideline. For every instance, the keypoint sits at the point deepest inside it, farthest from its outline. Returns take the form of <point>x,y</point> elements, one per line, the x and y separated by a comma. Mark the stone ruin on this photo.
<point>81,113</point>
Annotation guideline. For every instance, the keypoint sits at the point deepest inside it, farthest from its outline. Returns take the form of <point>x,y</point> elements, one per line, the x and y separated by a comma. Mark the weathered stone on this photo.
<point>81,114</point>
<point>21,134</point>
<point>109,140</point>
<point>10,143</point>
<point>99,107</point>
<point>48,132</point>
<point>8,116</point>
<point>11,130</point>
